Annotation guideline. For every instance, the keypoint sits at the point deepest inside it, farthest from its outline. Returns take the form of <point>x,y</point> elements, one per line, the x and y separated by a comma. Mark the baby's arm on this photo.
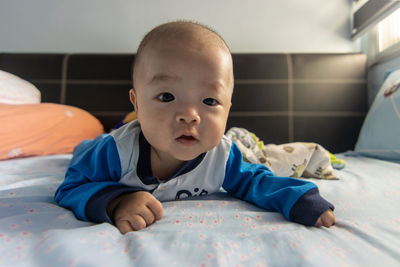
<point>298,200</point>
<point>134,211</point>
<point>92,180</point>
<point>91,189</point>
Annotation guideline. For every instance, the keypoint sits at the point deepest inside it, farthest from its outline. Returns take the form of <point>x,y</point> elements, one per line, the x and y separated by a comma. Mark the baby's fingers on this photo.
<point>327,219</point>
<point>137,221</point>
<point>134,223</point>
<point>156,208</point>
<point>123,226</point>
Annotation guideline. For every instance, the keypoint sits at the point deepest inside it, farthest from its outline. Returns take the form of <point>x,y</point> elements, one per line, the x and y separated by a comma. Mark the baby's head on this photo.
<point>182,89</point>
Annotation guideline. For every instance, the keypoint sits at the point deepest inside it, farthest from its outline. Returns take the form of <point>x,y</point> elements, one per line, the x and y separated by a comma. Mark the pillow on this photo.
<point>14,90</point>
<point>380,133</point>
<point>44,129</point>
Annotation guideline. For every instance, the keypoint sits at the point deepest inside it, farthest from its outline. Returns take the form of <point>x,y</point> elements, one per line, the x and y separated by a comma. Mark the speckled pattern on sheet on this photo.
<point>216,230</point>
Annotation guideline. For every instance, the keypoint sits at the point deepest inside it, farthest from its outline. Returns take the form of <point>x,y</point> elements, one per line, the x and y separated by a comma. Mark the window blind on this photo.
<point>372,12</point>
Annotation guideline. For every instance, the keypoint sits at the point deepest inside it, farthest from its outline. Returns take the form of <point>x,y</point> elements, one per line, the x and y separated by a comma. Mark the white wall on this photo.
<point>116,26</point>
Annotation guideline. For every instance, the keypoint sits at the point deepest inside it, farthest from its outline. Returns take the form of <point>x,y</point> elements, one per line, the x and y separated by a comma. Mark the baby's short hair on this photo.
<point>169,30</point>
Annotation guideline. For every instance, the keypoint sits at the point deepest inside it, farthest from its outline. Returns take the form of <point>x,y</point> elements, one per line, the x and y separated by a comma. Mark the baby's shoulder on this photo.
<point>128,131</point>
<point>127,138</point>
<point>222,150</point>
<point>225,143</point>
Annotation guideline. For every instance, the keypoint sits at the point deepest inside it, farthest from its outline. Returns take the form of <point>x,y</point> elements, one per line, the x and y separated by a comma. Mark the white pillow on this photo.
<point>380,133</point>
<point>14,90</point>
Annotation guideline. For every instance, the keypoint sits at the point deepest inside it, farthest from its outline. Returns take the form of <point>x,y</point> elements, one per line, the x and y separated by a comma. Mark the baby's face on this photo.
<point>182,97</point>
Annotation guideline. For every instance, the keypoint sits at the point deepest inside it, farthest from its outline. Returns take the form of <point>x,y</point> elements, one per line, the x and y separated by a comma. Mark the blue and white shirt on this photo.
<point>119,162</point>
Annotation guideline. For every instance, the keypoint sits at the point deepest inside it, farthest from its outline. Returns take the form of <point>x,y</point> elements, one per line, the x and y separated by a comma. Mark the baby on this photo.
<point>182,89</point>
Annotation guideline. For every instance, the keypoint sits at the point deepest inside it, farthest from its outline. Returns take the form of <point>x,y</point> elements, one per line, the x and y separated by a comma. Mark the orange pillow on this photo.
<point>44,129</point>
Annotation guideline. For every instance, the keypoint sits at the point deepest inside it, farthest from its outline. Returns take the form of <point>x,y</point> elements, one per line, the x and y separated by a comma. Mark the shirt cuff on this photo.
<point>309,207</point>
<point>96,208</point>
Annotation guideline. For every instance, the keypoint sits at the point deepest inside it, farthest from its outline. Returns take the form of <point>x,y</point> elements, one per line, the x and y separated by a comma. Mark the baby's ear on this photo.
<point>132,97</point>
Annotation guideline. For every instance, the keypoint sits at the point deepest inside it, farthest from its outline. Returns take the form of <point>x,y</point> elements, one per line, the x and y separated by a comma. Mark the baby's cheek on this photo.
<point>217,134</point>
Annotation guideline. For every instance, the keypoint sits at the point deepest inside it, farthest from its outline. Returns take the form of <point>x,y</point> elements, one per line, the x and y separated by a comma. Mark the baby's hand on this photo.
<point>135,211</point>
<point>326,219</point>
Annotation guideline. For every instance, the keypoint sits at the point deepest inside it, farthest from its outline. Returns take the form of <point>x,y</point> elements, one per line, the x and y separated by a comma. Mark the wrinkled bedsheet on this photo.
<point>216,230</point>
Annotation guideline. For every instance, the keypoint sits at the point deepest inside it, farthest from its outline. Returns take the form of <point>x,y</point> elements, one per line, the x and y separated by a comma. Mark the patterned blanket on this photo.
<point>307,160</point>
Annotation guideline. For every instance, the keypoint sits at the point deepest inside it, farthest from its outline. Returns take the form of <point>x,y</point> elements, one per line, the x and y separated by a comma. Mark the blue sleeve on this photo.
<point>94,167</point>
<point>255,183</point>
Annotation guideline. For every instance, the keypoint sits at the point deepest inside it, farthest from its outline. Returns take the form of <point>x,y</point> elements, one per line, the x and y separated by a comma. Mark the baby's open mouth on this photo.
<point>186,139</point>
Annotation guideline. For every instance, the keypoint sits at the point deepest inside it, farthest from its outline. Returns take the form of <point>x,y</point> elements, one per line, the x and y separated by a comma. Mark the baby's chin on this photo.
<point>191,154</point>
<point>187,157</point>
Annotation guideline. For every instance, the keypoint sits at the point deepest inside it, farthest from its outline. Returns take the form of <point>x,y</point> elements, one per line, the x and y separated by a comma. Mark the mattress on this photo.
<point>215,230</point>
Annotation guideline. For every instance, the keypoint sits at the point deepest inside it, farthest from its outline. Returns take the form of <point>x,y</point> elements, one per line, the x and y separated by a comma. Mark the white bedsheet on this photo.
<point>215,230</point>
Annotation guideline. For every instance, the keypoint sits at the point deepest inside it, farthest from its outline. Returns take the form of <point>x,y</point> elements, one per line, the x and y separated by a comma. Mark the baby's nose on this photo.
<point>188,115</point>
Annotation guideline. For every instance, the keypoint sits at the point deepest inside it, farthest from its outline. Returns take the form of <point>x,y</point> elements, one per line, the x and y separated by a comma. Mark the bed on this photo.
<point>283,98</point>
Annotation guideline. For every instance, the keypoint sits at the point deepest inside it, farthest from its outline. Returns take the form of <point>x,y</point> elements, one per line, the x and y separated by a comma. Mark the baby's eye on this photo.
<point>165,97</point>
<point>210,101</point>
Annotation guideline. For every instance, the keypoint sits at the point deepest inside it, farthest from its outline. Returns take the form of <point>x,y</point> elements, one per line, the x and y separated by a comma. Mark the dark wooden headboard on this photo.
<point>282,98</point>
